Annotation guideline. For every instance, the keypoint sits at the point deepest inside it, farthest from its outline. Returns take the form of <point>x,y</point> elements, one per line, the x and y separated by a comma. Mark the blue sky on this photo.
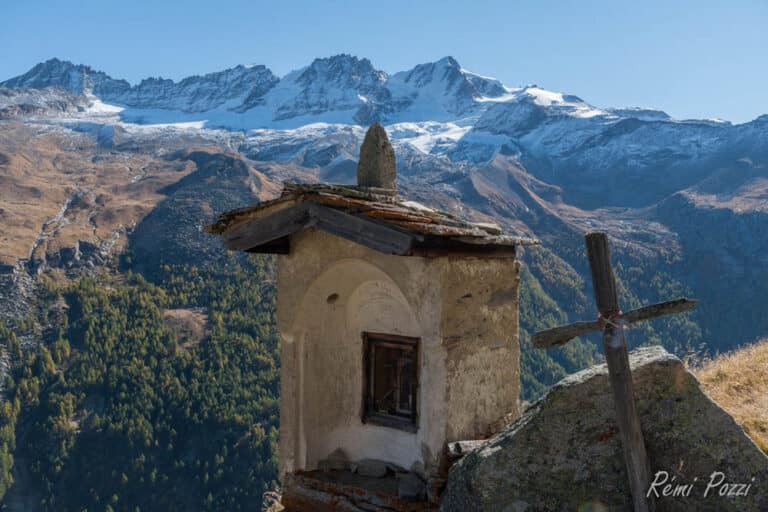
<point>691,58</point>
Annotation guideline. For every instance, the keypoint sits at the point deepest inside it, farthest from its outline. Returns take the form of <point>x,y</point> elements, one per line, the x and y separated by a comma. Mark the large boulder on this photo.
<point>565,454</point>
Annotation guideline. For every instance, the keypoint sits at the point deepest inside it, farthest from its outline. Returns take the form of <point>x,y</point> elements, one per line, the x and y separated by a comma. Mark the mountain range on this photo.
<point>343,87</point>
<point>684,200</point>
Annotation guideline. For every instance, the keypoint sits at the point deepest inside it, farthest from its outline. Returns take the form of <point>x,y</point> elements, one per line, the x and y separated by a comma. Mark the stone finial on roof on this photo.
<point>377,167</point>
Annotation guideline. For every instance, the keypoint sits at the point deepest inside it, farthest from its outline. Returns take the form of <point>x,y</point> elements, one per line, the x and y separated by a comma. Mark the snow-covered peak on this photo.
<point>558,103</point>
<point>448,61</point>
<point>440,90</point>
<point>444,70</point>
<point>53,72</point>
<point>233,87</point>
<point>449,73</point>
<point>342,83</point>
<point>344,71</point>
<point>77,78</point>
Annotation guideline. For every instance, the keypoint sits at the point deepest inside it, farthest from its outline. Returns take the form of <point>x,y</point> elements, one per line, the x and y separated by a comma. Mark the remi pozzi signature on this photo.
<point>665,486</point>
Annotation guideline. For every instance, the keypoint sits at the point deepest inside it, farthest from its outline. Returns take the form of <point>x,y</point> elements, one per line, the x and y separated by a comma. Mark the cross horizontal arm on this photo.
<point>669,307</point>
<point>561,335</point>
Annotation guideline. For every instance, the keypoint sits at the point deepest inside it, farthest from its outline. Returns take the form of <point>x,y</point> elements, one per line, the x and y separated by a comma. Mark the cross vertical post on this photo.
<point>619,374</point>
<point>611,324</point>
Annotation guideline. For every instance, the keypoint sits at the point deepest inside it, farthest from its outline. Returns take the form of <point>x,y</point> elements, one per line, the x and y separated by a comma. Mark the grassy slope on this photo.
<point>739,383</point>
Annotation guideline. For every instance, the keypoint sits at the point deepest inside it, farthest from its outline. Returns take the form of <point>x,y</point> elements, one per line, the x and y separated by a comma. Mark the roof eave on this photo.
<point>271,233</point>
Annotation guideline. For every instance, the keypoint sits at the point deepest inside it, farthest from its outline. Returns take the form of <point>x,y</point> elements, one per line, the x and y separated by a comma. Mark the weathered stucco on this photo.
<point>464,311</point>
<point>479,324</point>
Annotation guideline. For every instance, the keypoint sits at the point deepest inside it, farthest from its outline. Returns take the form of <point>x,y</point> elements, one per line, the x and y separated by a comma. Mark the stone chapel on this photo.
<point>399,333</point>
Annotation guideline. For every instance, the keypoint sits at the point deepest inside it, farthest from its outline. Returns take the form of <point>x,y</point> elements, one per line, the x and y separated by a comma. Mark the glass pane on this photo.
<point>385,379</point>
<point>391,376</point>
<point>405,391</point>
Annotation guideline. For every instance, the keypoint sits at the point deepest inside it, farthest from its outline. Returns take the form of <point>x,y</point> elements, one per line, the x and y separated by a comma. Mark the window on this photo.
<point>390,380</point>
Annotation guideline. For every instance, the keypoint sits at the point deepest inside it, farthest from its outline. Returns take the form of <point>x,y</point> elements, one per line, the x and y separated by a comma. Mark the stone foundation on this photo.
<point>344,491</point>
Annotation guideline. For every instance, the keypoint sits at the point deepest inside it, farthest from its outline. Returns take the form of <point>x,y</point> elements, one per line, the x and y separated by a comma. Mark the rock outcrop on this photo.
<point>564,453</point>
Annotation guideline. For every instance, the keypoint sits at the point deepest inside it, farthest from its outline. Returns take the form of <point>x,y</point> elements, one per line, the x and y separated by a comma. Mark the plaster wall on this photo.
<point>330,292</point>
<point>464,310</point>
<point>479,324</point>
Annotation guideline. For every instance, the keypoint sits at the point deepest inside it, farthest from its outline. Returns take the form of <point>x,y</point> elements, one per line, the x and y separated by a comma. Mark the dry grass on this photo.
<point>738,381</point>
<point>38,173</point>
<point>111,190</point>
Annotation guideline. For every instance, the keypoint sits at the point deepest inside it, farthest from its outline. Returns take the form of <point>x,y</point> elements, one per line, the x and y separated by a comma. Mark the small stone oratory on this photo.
<point>399,326</point>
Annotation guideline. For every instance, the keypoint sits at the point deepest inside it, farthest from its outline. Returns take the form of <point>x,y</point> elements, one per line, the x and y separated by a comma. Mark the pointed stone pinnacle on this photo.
<point>377,166</point>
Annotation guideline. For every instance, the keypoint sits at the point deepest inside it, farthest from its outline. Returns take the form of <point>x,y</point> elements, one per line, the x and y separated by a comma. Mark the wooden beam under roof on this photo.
<point>271,234</point>
<point>254,235</point>
<point>257,232</point>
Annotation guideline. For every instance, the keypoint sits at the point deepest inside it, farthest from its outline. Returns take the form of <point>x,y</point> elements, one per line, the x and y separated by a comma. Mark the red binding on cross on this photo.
<point>611,318</point>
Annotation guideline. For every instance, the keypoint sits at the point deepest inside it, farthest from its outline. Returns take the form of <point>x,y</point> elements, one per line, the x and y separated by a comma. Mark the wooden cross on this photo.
<point>611,322</point>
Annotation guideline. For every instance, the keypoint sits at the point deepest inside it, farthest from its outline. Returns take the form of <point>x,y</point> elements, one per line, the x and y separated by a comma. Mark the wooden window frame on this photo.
<point>408,424</point>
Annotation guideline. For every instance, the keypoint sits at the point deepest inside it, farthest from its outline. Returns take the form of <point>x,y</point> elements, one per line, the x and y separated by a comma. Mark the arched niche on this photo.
<point>348,298</point>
